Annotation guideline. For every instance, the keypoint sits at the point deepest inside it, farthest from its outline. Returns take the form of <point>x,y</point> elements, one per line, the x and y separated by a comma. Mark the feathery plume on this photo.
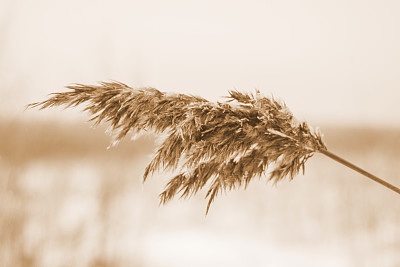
<point>221,145</point>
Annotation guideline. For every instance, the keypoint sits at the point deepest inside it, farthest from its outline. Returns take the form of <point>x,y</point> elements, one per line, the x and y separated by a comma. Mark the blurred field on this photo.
<point>65,200</point>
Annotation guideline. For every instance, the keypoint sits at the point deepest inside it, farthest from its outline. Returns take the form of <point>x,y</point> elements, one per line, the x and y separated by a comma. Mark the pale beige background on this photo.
<point>331,61</point>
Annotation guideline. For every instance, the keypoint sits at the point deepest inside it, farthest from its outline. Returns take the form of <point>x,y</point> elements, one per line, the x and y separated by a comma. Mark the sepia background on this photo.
<point>65,200</point>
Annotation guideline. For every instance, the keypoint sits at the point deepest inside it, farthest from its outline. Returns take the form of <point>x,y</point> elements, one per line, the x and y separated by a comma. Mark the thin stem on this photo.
<point>358,169</point>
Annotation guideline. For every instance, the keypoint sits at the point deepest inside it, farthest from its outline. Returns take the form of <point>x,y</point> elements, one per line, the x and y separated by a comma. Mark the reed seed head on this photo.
<point>221,145</point>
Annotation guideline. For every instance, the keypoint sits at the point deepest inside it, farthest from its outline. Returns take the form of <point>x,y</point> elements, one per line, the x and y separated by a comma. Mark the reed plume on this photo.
<point>221,145</point>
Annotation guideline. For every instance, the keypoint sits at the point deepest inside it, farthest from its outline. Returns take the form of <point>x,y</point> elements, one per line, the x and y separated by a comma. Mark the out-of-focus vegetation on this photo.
<point>65,200</point>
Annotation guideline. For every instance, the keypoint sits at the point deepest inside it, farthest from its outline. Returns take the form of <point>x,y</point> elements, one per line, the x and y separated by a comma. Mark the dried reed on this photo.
<point>221,145</point>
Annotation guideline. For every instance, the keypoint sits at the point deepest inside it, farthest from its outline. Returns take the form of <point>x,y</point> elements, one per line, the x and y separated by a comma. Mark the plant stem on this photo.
<point>358,169</point>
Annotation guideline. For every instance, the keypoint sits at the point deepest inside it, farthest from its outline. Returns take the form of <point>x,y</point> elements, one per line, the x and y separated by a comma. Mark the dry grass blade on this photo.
<point>221,145</point>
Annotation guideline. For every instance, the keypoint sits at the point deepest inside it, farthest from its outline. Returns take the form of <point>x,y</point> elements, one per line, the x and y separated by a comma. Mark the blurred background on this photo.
<point>65,200</point>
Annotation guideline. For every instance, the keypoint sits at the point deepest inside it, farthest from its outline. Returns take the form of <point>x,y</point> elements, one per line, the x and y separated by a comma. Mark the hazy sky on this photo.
<point>330,61</point>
